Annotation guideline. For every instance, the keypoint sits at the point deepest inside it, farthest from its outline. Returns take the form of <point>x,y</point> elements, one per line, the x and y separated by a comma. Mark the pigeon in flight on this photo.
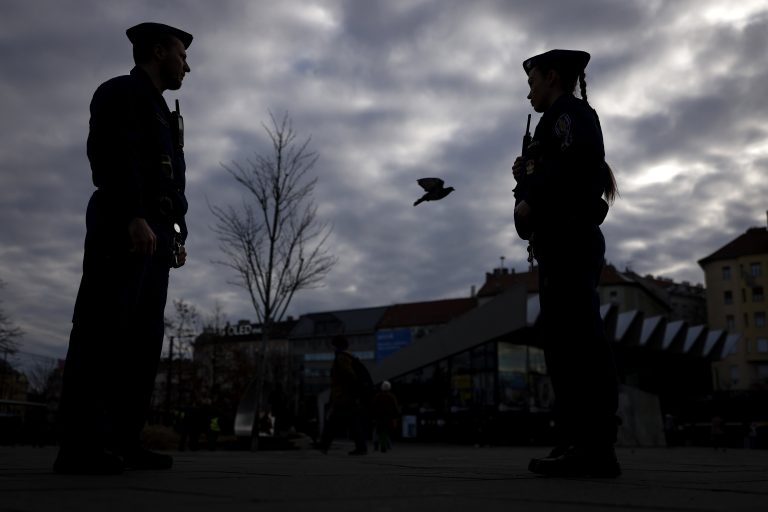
<point>434,188</point>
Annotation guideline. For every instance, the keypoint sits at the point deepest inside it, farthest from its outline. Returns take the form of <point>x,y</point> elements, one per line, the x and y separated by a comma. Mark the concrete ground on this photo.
<point>411,477</point>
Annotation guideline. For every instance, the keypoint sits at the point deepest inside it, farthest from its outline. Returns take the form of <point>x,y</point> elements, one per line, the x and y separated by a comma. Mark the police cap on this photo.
<point>149,33</point>
<point>571,62</point>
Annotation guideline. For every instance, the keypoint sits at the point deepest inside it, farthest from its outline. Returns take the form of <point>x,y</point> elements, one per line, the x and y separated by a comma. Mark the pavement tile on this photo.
<point>412,477</point>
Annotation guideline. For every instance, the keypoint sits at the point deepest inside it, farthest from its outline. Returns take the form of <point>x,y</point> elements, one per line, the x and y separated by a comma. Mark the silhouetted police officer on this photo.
<point>562,177</point>
<point>137,161</point>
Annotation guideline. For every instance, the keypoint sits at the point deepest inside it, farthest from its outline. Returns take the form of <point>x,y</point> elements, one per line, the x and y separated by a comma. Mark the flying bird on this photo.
<point>434,188</point>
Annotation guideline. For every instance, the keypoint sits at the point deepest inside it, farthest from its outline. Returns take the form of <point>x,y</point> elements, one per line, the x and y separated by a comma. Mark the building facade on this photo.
<point>736,279</point>
<point>471,369</point>
<point>627,290</point>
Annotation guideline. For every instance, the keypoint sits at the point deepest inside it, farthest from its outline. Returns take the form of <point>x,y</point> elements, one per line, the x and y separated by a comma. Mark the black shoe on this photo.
<point>557,451</point>
<point>87,462</point>
<point>140,458</point>
<point>358,452</point>
<point>575,462</point>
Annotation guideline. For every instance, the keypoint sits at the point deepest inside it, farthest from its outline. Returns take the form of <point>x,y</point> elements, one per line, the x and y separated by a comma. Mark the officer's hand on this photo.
<point>143,239</point>
<point>522,211</point>
<point>182,255</point>
<point>518,168</point>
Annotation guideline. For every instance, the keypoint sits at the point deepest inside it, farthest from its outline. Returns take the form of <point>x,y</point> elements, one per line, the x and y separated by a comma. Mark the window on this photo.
<point>762,345</point>
<point>730,322</point>
<point>760,319</point>
<point>726,273</point>
<point>758,295</point>
<point>728,297</point>
<point>746,319</point>
<point>755,269</point>
<point>762,372</point>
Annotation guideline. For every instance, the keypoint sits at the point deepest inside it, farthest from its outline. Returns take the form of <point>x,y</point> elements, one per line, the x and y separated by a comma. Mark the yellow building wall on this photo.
<point>742,310</point>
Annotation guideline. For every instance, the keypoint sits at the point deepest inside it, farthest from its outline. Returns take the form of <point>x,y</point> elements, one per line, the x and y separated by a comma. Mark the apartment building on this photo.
<point>736,278</point>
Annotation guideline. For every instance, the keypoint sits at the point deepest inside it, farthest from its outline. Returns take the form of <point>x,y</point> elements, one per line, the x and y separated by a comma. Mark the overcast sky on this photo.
<point>389,92</point>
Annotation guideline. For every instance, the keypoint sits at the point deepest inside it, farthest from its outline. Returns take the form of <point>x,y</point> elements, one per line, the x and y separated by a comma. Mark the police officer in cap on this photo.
<point>563,190</point>
<point>135,234</point>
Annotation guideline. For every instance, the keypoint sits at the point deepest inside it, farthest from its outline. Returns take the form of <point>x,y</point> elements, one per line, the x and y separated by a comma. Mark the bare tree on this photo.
<point>183,327</point>
<point>274,241</point>
<point>216,321</point>
<point>9,333</point>
<point>39,375</point>
<point>9,345</point>
<point>214,326</point>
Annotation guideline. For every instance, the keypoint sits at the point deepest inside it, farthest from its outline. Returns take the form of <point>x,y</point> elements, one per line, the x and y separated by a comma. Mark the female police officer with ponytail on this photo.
<point>562,179</point>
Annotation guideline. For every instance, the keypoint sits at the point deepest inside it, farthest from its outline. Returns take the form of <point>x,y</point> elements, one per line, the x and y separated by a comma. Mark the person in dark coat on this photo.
<point>135,234</point>
<point>347,407</point>
<point>563,190</point>
<point>385,410</point>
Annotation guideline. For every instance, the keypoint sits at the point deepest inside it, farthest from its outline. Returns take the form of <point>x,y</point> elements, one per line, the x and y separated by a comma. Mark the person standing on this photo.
<point>135,234</point>
<point>385,410</point>
<point>562,178</point>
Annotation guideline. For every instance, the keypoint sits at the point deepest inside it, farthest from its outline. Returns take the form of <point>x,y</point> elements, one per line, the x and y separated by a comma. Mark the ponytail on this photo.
<point>583,87</point>
<point>610,188</point>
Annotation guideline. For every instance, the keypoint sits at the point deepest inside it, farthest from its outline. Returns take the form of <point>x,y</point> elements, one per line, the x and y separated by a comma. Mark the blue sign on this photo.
<point>389,341</point>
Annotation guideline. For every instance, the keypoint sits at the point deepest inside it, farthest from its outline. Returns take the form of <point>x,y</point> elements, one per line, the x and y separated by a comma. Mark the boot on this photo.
<point>578,462</point>
<point>90,461</point>
<point>141,458</point>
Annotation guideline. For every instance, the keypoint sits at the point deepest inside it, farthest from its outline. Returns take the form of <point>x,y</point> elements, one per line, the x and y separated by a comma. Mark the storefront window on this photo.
<point>483,358</point>
<point>461,381</point>
<point>513,376</point>
<point>536,362</point>
<point>523,383</point>
<point>483,389</point>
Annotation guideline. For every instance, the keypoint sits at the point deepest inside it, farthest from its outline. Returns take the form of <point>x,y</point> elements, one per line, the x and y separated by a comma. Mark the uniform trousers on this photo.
<point>577,352</point>
<point>117,334</point>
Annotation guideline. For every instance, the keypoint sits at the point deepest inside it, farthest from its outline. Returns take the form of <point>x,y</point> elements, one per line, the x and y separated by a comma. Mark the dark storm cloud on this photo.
<point>389,92</point>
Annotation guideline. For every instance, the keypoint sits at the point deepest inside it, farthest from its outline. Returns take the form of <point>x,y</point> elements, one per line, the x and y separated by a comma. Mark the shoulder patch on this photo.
<point>563,131</point>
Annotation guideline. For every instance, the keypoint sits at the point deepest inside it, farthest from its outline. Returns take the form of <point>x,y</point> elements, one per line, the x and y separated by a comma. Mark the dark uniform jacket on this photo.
<point>135,153</point>
<point>385,406</point>
<point>563,183</point>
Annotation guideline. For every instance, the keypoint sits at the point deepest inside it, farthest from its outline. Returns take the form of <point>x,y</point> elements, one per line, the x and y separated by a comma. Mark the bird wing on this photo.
<point>430,184</point>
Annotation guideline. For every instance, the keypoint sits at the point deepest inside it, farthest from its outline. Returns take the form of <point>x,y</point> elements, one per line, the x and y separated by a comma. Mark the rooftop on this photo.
<point>425,313</point>
<point>754,241</point>
<point>503,279</point>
